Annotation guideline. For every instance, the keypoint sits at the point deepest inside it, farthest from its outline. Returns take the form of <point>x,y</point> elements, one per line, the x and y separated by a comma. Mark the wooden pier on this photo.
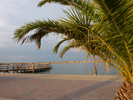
<point>59,62</point>
<point>34,66</point>
<point>25,68</point>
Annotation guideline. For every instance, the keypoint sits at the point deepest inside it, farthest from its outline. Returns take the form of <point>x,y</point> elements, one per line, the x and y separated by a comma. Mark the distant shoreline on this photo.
<point>57,62</point>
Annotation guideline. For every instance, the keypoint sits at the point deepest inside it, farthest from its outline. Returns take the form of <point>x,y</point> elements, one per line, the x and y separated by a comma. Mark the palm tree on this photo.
<point>102,28</point>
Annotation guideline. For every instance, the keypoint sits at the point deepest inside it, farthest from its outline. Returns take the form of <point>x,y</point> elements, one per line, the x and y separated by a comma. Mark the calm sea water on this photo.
<point>78,69</point>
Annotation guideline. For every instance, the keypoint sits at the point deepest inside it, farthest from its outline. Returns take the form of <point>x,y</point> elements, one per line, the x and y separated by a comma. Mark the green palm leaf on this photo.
<point>58,44</point>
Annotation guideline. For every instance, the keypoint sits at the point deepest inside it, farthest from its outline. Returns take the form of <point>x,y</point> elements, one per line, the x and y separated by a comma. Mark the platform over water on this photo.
<point>24,68</point>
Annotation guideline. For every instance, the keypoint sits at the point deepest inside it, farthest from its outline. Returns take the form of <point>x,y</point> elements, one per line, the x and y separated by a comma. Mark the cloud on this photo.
<point>6,35</point>
<point>13,14</point>
<point>2,45</point>
<point>20,56</point>
<point>1,22</point>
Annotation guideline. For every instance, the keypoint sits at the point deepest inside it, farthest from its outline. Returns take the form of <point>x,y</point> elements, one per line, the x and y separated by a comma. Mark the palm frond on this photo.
<point>45,26</point>
<point>58,44</point>
<point>77,3</point>
<point>37,36</point>
<point>73,44</point>
<point>63,2</point>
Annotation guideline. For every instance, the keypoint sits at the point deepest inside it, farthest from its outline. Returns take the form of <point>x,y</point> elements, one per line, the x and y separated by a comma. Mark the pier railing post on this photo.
<point>17,68</point>
<point>33,67</point>
<point>20,69</point>
<point>8,69</point>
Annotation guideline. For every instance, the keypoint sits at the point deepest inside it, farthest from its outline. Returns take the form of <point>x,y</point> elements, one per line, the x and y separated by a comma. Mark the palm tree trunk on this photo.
<point>125,92</point>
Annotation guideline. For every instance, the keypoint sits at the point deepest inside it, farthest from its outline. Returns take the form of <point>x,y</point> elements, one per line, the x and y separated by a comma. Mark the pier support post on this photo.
<point>8,71</point>
<point>13,69</point>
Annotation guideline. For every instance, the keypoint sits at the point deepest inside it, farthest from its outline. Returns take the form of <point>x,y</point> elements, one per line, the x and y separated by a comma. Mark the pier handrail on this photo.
<point>58,62</point>
<point>24,67</point>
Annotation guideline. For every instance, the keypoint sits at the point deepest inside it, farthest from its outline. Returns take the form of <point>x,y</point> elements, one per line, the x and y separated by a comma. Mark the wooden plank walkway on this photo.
<point>25,68</point>
<point>60,62</point>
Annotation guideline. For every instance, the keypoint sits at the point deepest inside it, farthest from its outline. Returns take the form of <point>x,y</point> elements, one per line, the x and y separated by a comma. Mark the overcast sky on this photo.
<point>14,14</point>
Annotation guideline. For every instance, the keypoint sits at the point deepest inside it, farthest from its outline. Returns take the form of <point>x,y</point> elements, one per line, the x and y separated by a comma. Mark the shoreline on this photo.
<point>67,77</point>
